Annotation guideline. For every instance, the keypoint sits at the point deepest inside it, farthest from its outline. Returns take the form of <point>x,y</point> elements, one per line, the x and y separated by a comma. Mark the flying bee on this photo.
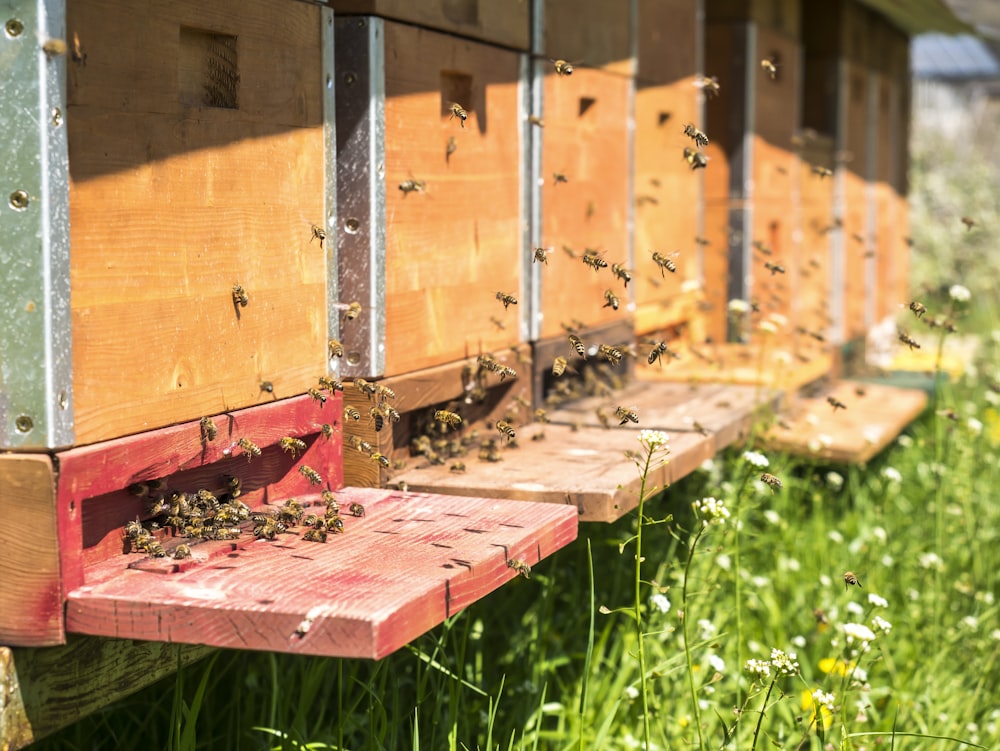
<point>381,460</point>
<point>541,416</point>
<point>906,339</point>
<point>611,300</point>
<point>612,354</point>
<point>318,233</point>
<point>695,159</point>
<point>352,414</point>
<point>376,418</point>
<point>365,387</point>
<point>240,296</point>
<point>501,326</point>
<point>577,345</point>
<point>708,84</point>
<point>558,366</point>
<point>208,429</point>
<point>593,259</point>
<point>559,177</point>
<point>702,241</point>
<point>835,403</point>
<point>315,534</point>
<point>657,352</point>
<point>292,446</point>
<point>310,474</point>
<point>458,111</point>
<point>356,509</point>
<point>603,417</point>
<point>505,430</point>
<point>666,261</point>
<point>918,309</point>
<point>317,395</point>
<point>330,384</point>
<point>771,480</point>
<point>335,348</point>
<point>699,428</point>
<point>412,186</point>
<point>353,311</point>
<point>562,67</point>
<point>774,268</point>
<point>233,485</point>
<point>445,417</point>
<point>968,222</point>
<point>457,467</point>
<point>822,172</point>
<point>520,567</point>
<point>620,272</point>
<point>541,255</point>
<point>851,580</point>
<point>699,138</point>
<point>361,445</point>
<point>536,120</point>
<point>506,299</point>
<point>250,448</point>
<point>770,67</point>
<point>182,551</point>
<point>450,148</point>
<point>627,415</point>
<point>761,247</point>
<point>390,413</point>
<point>327,430</point>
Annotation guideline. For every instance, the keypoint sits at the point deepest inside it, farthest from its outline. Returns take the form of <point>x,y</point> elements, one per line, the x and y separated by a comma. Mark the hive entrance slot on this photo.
<point>208,72</point>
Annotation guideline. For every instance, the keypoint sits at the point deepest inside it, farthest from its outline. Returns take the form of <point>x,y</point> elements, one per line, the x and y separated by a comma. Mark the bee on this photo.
<point>448,418</point>
<point>240,296</point>
<point>250,448</point>
<point>267,527</point>
<point>266,387</point>
<point>541,416</point>
<point>501,326</point>
<point>536,120</point>
<point>835,403</point>
<point>292,446</point>
<point>450,148</point>
<point>458,111</point>
<point>770,67</point>
<point>335,348</point>
<point>365,387</point>
<point>488,452</point>
<point>315,534</point>
<point>559,177</point>
<point>559,365</point>
<point>506,299</point>
<point>621,272</point>
<point>356,509</point>
<point>55,48</point>
<point>603,417</point>
<point>627,415</point>
<point>361,445</point>
<point>310,474</point>
<point>968,222</point>
<point>352,414</point>
<point>657,352</point>
<point>541,255</point>
<point>851,580</point>
<point>76,54</point>
<point>330,384</point>
<point>234,486</point>
<point>699,138</point>
<point>562,67</point>
<point>761,247</point>
<point>318,233</point>
<point>134,531</point>
<point>380,459</point>
<point>317,395</point>
<point>577,345</point>
<point>699,428</point>
<point>507,372</point>
<point>505,430</point>
<point>208,429</point>
<point>666,261</point>
<point>908,340</point>
<point>182,551</point>
<point>612,354</point>
<point>695,159</point>
<point>918,309</point>
<point>412,186</point>
<point>327,430</point>
<point>593,259</point>
<point>611,300</point>
<point>774,268</point>
<point>390,413</point>
<point>570,252</point>
<point>703,242</point>
<point>708,84</point>
<point>771,480</point>
<point>152,547</point>
<point>353,311</point>
<point>520,567</point>
<point>822,172</point>
<point>457,467</point>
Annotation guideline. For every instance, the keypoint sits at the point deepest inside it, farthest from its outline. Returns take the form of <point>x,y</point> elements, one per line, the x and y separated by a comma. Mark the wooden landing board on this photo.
<point>724,413</point>
<point>586,469</point>
<point>874,416</point>
<point>412,561</point>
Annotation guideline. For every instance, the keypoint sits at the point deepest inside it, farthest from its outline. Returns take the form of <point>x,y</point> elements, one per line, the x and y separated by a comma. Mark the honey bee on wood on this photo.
<point>968,222</point>
<point>316,534</point>
<point>182,551</point>
<point>603,417</point>
<point>506,299</point>
<point>771,481</point>
<point>152,547</point>
<point>699,138</point>
<point>376,418</point>
<point>458,111</point>
<point>317,396</point>
<point>334,524</point>
<point>612,354</point>
<point>666,261</point>
<point>361,445</point>
<point>505,430</point>
<point>622,273</point>
<point>559,177</point>
<point>627,415</point>
<point>240,296</point>
<point>353,310</point>
<point>356,509</point>
<point>267,528</point>
<point>335,348</point>
<point>457,467</point>
<point>610,300</point>
<point>708,84</point>
<point>326,429</point>
<point>412,186</point>
<point>593,259</point>
<point>310,474</point>
<point>770,66</point>
<point>445,417</point>
<point>541,255</point>
<point>366,387</point>
<point>318,233</point>
<point>293,446</point>
<point>541,416</point>
<point>851,580</point>
<point>774,268</point>
<point>577,345</point>
<point>822,172</point>
<point>562,67</point>
<point>250,448</point>
<point>906,339</point>
<point>352,414</point>
<point>519,567</point>
<point>208,429</point>
<point>536,120</point>
<point>835,403</point>
<point>558,365</point>
<point>695,159</point>
<point>330,384</point>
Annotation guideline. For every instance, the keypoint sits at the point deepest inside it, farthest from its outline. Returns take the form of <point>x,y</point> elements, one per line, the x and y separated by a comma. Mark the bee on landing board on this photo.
<point>520,567</point>
<point>208,429</point>
<point>240,296</point>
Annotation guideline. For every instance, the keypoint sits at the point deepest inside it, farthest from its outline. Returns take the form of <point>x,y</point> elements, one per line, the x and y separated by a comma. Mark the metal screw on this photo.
<point>352,225</point>
<point>350,79</point>
<point>19,200</point>
<point>353,358</point>
<point>14,28</point>
<point>24,424</point>
<point>63,399</point>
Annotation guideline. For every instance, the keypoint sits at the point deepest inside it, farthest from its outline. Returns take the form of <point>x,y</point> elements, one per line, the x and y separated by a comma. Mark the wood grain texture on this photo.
<point>503,22</point>
<point>586,139</point>
<point>594,33</point>
<point>451,248</point>
<point>586,469</point>
<point>47,689</point>
<point>31,597</point>
<point>874,416</point>
<point>667,39</point>
<point>344,598</point>
<point>171,204</point>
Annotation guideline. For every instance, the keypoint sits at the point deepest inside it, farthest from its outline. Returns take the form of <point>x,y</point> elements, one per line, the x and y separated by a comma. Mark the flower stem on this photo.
<point>687,641</point>
<point>760,717</point>
<point>637,603</point>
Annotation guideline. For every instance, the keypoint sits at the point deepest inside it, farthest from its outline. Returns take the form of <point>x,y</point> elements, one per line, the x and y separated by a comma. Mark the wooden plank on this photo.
<point>586,469</point>
<point>171,204</point>
<point>811,308</point>
<point>345,598</point>
<point>31,597</point>
<point>503,22</point>
<point>43,690</point>
<point>667,39</point>
<point>594,33</point>
<point>856,197</point>
<point>724,413</point>
<point>874,416</point>
<point>452,247</point>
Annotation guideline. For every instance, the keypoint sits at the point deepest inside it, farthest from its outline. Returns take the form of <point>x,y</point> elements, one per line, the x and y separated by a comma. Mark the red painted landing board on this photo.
<point>586,469</point>
<point>411,562</point>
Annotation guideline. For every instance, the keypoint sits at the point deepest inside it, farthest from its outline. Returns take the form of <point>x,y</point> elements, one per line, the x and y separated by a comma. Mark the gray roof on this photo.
<point>961,57</point>
<point>917,16</point>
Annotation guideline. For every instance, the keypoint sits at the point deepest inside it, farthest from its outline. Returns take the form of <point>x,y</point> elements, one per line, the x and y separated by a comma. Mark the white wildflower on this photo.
<point>905,440</point>
<point>690,286</point>
<point>881,625</point>
<point>891,474</point>
<point>872,434</point>
<point>823,699</point>
<point>772,517</point>
<point>835,480</point>
<point>835,536</point>
<point>782,357</point>
<point>854,608</point>
<point>880,534</point>
<point>739,307</point>
<point>723,561</point>
<point>858,632</point>
<point>758,669</point>
<point>767,327</point>
<point>716,663</point>
<point>825,440</point>
<point>784,663</point>
<point>877,601</point>
<point>706,628</point>
<point>653,439</point>
<point>660,602</point>
<point>887,561</point>
<point>970,622</point>
<point>958,293</point>
<point>930,560</point>
<point>799,641</point>
<point>756,459</point>
<point>631,693</point>
<point>712,510</point>
<point>974,426</point>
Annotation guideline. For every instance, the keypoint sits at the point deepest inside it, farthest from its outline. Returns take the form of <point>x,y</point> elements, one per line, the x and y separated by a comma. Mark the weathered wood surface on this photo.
<point>171,204</point>
<point>875,414</point>
<point>586,469</point>
<point>346,598</point>
<point>31,596</point>
<point>591,32</point>
<point>725,413</point>
<point>45,689</point>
